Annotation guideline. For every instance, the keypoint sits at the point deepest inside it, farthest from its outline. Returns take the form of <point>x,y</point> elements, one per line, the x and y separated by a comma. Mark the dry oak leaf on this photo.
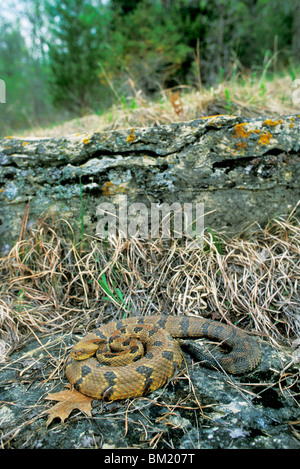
<point>68,400</point>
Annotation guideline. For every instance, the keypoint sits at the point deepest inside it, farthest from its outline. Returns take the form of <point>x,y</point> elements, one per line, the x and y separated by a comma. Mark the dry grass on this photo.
<point>51,285</point>
<point>246,97</point>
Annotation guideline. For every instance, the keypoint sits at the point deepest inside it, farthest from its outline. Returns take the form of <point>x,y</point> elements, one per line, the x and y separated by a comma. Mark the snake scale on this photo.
<point>162,354</point>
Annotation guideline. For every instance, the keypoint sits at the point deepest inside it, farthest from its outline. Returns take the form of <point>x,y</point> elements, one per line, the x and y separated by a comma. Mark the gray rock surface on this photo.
<point>243,170</point>
<point>256,410</point>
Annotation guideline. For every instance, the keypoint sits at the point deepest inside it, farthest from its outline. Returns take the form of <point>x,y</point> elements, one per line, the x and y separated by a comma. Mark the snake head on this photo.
<point>85,349</point>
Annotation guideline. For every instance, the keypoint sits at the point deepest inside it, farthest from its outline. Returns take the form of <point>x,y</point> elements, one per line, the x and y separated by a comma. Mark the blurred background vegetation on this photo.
<point>64,59</point>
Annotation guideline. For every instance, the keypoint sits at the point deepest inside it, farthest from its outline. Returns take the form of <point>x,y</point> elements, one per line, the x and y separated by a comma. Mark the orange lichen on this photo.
<point>131,137</point>
<point>107,188</point>
<point>111,189</point>
<point>86,140</point>
<point>271,122</point>
<point>293,120</point>
<point>241,145</point>
<point>8,136</point>
<point>25,143</point>
<point>240,131</point>
<point>264,139</point>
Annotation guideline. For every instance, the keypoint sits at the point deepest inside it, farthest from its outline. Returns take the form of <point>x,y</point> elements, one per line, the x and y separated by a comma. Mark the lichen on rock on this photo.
<point>242,170</point>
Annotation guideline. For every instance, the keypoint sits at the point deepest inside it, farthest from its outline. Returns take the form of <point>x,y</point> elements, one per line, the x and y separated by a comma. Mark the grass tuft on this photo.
<point>242,95</point>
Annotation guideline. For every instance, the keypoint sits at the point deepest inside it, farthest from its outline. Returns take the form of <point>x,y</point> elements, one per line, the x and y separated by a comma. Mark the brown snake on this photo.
<point>162,354</point>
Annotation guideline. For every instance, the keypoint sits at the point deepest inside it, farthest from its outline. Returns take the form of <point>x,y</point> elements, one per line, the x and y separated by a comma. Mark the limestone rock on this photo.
<point>242,170</point>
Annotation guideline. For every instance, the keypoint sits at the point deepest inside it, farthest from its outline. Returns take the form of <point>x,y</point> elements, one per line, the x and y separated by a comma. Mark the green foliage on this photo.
<point>25,97</point>
<point>146,46</point>
<point>83,55</point>
<point>12,44</point>
<point>216,240</point>
<point>114,293</point>
<point>77,40</point>
<point>228,100</point>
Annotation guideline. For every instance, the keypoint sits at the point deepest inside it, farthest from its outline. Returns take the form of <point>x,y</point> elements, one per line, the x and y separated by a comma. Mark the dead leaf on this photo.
<point>176,102</point>
<point>68,400</point>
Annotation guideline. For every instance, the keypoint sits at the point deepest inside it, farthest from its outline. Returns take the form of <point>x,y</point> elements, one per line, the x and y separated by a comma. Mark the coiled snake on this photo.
<point>162,354</point>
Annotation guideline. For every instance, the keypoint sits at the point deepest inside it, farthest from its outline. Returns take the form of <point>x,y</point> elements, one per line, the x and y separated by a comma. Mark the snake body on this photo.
<point>162,355</point>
